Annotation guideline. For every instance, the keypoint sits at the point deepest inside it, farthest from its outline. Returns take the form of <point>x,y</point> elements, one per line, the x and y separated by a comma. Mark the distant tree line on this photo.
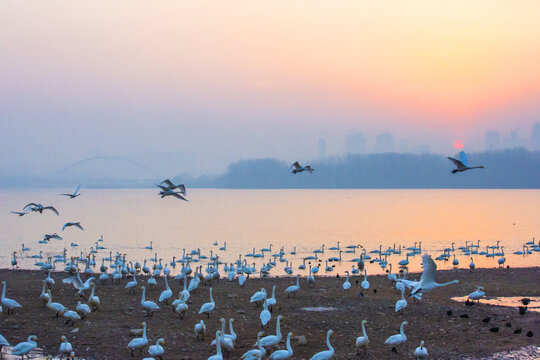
<point>512,168</point>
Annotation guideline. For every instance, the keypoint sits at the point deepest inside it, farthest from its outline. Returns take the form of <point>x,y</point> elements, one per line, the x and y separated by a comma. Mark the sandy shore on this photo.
<point>104,334</point>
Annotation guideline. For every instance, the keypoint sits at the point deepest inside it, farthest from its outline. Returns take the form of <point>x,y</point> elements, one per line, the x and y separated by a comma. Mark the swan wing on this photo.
<point>428,275</point>
<point>296,165</point>
<point>77,190</point>
<point>456,162</point>
<point>52,209</point>
<point>463,158</point>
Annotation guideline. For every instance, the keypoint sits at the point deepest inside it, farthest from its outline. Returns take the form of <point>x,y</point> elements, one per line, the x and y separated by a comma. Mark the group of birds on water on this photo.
<point>239,271</point>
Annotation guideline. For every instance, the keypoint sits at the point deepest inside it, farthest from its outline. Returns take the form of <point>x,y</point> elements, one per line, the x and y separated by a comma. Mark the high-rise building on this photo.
<point>403,145</point>
<point>513,140</point>
<point>322,148</point>
<point>385,143</point>
<point>535,136</point>
<point>355,143</point>
<point>493,140</point>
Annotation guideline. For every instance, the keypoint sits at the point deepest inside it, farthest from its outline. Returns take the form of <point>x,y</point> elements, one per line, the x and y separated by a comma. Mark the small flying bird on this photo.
<point>171,186</point>
<point>297,168</point>
<point>168,192</point>
<point>39,208</point>
<point>461,164</point>
<point>75,194</point>
<point>48,237</point>
<point>76,224</point>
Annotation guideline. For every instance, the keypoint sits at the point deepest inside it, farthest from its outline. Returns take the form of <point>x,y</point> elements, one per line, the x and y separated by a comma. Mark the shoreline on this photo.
<point>446,337</point>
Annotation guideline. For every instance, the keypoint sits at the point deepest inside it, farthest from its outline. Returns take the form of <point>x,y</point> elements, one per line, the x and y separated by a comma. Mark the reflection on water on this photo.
<point>292,220</point>
<point>508,301</point>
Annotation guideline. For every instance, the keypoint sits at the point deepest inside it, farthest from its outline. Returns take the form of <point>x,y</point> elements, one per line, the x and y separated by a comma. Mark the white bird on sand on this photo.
<point>65,347</point>
<point>167,293</point>
<point>399,338</point>
<point>272,340</point>
<point>139,343</point>
<point>3,342</point>
<point>293,289</point>
<point>461,164</point>
<point>75,224</point>
<point>8,303</point>
<point>283,354</point>
<point>157,350</point>
<point>401,304</point>
<point>271,301</point>
<point>254,353</point>
<point>71,316</point>
<point>226,342</point>
<point>362,342</point>
<point>93,300</point>
<point>427,280</point>
<point>365,283</point>
<point>421,352</point>
<point>297,168</point>
<point>147,305</point>
<point>478,294</point>
<point>347,283</point>
<point>259,297</point>
<point>54,306</point>
<point>130,286</point>
<point>200,330</point>
<point>327,354</point>
<point>472,266</point>
<point>82,309</point>
<point>219,355</point>
<point>75,193</point>
<point>208,307</point>
<point>265,315</point>
<point>23,348</point>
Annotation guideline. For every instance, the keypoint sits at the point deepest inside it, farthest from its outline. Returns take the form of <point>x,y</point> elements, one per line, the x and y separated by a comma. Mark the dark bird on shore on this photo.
<point>39,208</point>
<point>464,316</point>
<point>469,303</point>
<point>374,291</point>
<point>297,168</point>
<point>529,333</point>
<point>449,312</point>
<point>525,301</point>
<point>486,319</point>
<point>522,310</point>
<point>171,186</point>
<point>517,331</point>
<point>461,164</point>
<point>75,193</point>
<point>508,324</point>
<point>494,329</point>
<point>76,224</point>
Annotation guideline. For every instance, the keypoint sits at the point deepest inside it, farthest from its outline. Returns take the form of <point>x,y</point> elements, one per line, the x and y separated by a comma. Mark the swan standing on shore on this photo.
<point>478,294</point>
<point>327,354</point>
<point>365,283</point>
<point>265,315</point>
<point>147,305</point>
<point>139,343</point>
<point>54,306</point>
<point>219,355</point>
<point>283,354</point>
<point>401,304</point>
<point>10,304</point>
<point>293,289</point>
<point>255,353</point>
<point>272,340</point>
<point>399,338</point>
<point>362,342</point>
<point>3,342</point>
<point>65,347</point>
<point>23,348</point>
<point>200,329</point>
<point>167,293</point>
<point>421,352</point>
<point>157,350</point>
<point>208,307</point>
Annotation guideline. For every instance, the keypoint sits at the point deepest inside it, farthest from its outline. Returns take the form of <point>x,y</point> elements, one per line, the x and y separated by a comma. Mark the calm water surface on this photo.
<point>247,219</point>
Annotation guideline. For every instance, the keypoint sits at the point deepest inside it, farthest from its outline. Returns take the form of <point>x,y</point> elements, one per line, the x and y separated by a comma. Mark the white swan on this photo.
<point>130,286</point>
<point>3,342</point>
<point>208,307</point>
<point>139,343</point>
<point>265,315</point>
<point>283,354</point>
<point>401,304</point>
<point>9,303</point>
<point>327,354</point>
<point>427,280</point>
<point>226,342</point>
<point>65,347</point>
<point>167,293</point>
<point>255,353</point>
<point>23,348</point>
<point>82,309</point>
<point>93,300</point>
<point>270,302</point>
<point>365,283</point>
<point>44,297</point>
<point>200,329</point>
<point>54,306</point>
<point>461,164</point>
<point>347,283</point>
<point>219,355</point>
<point>362,342</point>
<point>399,338</point>
<point>147,305</point>
<point>157,350</point>
<point>293,289</point>
<point>421,352</point>
<point>185,292</point>
<point>272,340</point>
<point>472,266</point>
<point>258,297</point>
<point>181,307</point>
<point>478,294</point>
<point>71,316</point>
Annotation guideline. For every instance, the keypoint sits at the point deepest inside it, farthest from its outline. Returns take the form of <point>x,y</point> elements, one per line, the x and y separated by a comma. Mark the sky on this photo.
<point>191,86</point>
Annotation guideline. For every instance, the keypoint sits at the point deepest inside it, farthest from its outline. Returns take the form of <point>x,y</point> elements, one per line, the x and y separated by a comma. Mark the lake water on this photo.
<point>245,219</point>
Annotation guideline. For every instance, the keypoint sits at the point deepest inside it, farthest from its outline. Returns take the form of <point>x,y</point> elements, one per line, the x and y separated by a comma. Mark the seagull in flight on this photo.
<point>298,169</point>
<point>39,208</point>
<point>461,164</point>
<point>76,224</point>
<point>171,186</point>
<point>168,192</point>
<point>75,194</point>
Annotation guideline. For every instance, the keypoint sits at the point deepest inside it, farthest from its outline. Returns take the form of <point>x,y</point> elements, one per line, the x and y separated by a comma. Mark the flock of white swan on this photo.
<point>208,268</point>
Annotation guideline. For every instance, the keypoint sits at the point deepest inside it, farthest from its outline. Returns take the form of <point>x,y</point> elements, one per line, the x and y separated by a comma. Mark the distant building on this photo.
<point>385,143</point>
<point>513,140</point>
<point>493,140</point>
<point>355,143</point>
<point>535,136</point>
<point>403,145</point>
<point>322,148</point>
<point>422,149</point>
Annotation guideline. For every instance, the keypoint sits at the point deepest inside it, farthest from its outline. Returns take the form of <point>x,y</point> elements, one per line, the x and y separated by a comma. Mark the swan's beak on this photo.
<point>458,282</point>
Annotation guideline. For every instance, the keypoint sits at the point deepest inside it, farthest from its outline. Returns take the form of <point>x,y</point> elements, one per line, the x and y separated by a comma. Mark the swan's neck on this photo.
<point>401,330</point>
<point>231,327</point>
<point>144,332</point>
<point>278,331</point>
<point>364,331</point>
<point>218,344</point>
<point>448,283</point>
<point>289,349</point>
<point>4,292</point>
<point>328,342</point>
<point>143,293</point>
<point>211,298</point>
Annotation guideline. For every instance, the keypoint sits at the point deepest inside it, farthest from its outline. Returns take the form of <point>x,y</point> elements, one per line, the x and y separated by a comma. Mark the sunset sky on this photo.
<point>211,82</point>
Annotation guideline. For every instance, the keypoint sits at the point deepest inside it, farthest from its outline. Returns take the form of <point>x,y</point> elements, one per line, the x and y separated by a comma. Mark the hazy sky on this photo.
<point>189,86</point>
